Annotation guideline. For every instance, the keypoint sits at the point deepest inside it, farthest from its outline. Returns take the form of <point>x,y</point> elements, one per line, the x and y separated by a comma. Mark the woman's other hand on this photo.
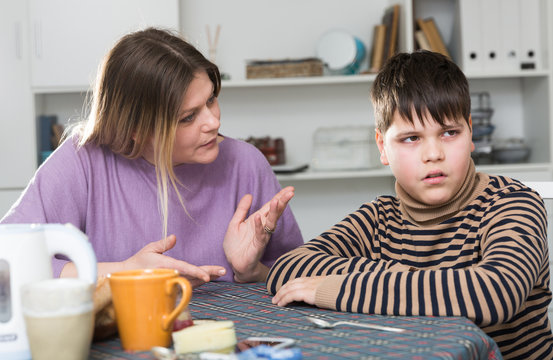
<point>246,239</point>
<point>151,256</point>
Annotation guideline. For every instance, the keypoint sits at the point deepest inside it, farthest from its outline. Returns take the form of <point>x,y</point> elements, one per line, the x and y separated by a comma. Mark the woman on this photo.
<point>149,162</point>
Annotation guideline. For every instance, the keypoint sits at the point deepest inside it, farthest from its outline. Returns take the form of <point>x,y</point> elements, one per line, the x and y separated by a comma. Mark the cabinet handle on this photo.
<point>38,39</point>
<point>17,29</point>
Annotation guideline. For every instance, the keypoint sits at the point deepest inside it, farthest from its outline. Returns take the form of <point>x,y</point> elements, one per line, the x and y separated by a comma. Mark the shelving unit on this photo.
<point>293,108</point>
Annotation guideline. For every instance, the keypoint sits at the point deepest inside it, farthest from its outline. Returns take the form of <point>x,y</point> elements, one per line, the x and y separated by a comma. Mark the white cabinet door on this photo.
<point>7,199</point>
<point>17,131</point>
<point>70,37</point>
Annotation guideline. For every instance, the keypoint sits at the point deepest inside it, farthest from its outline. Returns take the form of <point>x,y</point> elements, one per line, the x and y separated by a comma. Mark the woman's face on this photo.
<point>196,139</point>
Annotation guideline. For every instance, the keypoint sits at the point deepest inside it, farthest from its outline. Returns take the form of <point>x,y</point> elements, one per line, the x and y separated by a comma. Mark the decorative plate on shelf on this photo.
<point>289,168</point>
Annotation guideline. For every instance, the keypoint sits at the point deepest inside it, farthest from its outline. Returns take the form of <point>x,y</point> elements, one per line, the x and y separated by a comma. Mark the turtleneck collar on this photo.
<point>424,214</point>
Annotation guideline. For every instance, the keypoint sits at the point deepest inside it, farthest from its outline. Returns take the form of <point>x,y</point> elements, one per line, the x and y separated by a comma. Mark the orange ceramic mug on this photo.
<point>144,303</point>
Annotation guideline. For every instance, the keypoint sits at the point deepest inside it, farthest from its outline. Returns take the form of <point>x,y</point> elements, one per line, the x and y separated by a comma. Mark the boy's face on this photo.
<point>429,161</point>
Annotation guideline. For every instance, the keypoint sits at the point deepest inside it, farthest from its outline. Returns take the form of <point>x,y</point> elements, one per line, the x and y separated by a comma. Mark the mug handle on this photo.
<point>186,288</point>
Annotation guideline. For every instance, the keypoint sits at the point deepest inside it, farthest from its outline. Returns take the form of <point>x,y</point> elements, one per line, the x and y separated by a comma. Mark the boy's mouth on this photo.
<point>434,175</point>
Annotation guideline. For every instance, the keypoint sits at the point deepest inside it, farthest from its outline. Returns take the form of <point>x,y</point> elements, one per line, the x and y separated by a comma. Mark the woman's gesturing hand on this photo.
<point>246,239</point>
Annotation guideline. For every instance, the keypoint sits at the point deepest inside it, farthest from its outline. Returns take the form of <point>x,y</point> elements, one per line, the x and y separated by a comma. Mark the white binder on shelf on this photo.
<point>491,34</point>
<point>471,55</point>
<point>510,49</point>
<point>530,38</point>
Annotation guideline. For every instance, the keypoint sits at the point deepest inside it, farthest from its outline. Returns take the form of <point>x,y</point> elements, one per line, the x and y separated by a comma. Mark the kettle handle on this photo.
<point>73,243</point>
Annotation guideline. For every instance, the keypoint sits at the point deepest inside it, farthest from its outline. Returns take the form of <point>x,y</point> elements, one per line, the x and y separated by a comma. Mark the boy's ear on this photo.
<point>380,143</point>
<point>472,147</point>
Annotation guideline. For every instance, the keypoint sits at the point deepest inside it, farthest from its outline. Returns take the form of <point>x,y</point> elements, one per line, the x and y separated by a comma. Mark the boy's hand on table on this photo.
<point>300,289</point>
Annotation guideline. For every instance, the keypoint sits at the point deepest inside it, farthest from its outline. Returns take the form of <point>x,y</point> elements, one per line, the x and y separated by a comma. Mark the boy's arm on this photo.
<point>514,261</point>
<point>349,247</point>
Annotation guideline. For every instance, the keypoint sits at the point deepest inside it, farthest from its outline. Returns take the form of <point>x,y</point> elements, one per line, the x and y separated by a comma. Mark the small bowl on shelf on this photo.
<point>479,131</point>
<point>511,151</point>
<point>481,114</point>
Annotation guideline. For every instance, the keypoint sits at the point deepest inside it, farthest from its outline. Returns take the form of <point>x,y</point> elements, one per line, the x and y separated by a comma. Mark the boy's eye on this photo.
<point>410,139</point>
<point>450,133</point>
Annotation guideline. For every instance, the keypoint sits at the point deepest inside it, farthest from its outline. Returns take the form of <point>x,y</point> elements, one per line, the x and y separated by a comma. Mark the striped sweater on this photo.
<point>483,256</point>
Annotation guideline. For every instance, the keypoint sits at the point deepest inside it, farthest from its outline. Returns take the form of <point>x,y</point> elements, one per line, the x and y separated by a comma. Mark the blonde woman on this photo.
<point>152,182</point>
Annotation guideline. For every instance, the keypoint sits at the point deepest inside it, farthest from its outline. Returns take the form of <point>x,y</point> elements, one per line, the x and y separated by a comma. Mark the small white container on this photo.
<point>341,52</point>
<point>344,148</point>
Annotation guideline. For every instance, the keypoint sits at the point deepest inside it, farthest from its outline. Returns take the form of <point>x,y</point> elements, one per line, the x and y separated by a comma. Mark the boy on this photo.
<point>453,242</point>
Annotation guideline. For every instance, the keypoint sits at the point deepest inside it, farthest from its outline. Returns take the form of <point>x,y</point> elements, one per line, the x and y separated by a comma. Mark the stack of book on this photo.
<point>428,37</point>
<point>50,135</point>
<point>385,38</point>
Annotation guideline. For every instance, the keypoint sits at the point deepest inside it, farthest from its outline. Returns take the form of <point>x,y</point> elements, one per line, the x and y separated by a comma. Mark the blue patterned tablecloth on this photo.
<point>250,307</point>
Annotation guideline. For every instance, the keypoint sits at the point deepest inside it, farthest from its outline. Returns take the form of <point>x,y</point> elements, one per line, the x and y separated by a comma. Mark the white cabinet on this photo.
<point>69,38</point>
<point>49,54</point>
<point>17,131</point>
<point>7,199</point>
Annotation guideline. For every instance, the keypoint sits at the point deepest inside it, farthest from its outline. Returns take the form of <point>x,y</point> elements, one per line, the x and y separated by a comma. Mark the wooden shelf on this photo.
<point>340,174</point>
<point>301,81</point>
<point>297,81</point>
<point>500,75</point>
<point>61,90</point>
<point>352,79</point>
<point>385,171</point>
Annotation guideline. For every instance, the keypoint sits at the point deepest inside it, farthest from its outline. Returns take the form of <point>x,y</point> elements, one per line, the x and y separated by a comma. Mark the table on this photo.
<point>250,307</point>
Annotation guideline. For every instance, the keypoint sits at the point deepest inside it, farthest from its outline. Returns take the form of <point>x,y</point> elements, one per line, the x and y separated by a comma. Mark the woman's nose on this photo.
<point>211,121</point>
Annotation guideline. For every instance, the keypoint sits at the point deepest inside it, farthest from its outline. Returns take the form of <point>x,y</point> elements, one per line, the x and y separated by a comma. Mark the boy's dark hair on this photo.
<point>421,83</point>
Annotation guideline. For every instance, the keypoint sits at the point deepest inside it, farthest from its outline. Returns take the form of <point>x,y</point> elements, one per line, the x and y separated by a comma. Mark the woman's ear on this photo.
<point>380,143</point>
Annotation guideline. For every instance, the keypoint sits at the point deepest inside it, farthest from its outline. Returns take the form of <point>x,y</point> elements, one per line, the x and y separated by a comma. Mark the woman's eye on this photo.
<point>211,100</point>
<point>186,119</point>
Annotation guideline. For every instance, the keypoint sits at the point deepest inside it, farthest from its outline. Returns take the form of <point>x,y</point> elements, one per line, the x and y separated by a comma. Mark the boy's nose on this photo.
<point>432,151</point>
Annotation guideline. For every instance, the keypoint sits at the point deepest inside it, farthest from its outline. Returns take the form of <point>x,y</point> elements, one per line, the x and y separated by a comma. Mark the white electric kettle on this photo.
<point>26,252</point>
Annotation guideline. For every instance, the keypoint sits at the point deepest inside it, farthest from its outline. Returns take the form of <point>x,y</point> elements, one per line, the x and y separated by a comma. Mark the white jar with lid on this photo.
<point>344,148</point>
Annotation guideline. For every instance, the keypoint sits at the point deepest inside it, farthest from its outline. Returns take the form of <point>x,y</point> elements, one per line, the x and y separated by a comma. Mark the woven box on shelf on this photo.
<point>257,69</point>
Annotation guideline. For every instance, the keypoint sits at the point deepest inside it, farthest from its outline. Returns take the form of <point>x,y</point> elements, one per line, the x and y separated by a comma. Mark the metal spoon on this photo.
<point>328,325</point>
<point>163,353</point>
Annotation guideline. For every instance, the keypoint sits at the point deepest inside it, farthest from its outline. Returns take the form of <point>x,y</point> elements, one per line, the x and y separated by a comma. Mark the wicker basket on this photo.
<point>284,68</point>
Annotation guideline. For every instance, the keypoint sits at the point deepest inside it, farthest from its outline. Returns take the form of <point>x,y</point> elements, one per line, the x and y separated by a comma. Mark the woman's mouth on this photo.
<point>210,143</point>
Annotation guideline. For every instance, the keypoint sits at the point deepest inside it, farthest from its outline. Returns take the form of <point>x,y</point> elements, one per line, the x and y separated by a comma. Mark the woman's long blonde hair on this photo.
<point>137,97</point>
